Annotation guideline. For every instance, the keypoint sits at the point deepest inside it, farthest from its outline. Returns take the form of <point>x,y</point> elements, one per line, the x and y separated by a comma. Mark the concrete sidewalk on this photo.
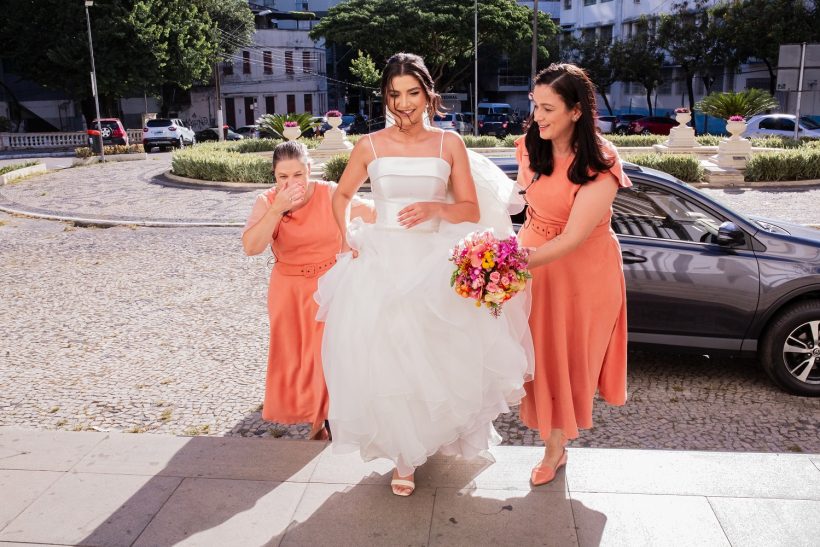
<point>88,488</point>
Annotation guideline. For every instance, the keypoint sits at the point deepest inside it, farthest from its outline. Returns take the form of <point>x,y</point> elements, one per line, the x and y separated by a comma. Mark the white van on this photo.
<point>493,108</point>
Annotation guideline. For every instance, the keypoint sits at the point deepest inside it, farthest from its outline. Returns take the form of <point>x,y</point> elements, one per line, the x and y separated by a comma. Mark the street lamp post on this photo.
<point>475,68</point>
<point>94,79</point>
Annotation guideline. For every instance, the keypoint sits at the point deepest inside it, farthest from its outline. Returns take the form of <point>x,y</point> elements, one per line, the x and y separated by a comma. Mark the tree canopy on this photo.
<point>138,44</point>
<point>441,31</point>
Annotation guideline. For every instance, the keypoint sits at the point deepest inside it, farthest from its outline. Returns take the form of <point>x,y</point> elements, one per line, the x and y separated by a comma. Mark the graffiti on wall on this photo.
<point>197,123</point>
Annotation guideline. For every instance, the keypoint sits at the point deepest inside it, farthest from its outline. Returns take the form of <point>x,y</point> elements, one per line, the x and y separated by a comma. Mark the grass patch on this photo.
<point>166,415</point>
<point>636,140</point>
<point>16,166</point>
<point>193,431</point>
<point>87,152</point>
<point>798,164</point>
<point>218,165</point>
<point>686,167</point>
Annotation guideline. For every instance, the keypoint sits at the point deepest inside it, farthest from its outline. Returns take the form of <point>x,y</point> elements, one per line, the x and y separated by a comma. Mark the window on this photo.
<point>288,63</point>
<point>267,62</point>
<point>227,68</point>
<point>589,2</point>
<point>246,62</point>
<point>291,99</point>
<point>567,4</point>
<point>606,33</point>
<point>645,211</point>
<point>667,77</point>
<point>307,65</point>
<point>270,104</point>
<point>588,33</point>
<point>769,123</point>
<point>308,103</point>
<point>786,124</point>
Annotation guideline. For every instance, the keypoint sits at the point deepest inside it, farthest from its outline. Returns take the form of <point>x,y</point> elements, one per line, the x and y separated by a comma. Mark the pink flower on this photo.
<point>291,124</point>
<point>735,118</point>
<point>333,114</point>
<point>495,277</point>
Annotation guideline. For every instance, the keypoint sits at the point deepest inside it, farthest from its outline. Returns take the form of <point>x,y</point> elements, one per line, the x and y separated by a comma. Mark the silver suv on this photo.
<point>166,132</point>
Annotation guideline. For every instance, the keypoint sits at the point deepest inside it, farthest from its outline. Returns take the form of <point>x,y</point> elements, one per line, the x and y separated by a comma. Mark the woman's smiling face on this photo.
<point>551,114</point>
<point>407,99</point>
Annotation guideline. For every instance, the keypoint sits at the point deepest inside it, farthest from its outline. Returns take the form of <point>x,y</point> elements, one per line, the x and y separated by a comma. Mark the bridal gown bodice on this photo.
<point>396,182</point>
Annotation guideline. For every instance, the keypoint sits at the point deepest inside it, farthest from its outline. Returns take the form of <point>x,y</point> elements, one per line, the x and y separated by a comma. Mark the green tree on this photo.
<point>690,37</point>
<point>441,31</point>
<point>639,59</point>
<point>595,56</point>
<point>139,45</point>
<point>364,70</point>
<point>754,29</point>
<point>743,103</point>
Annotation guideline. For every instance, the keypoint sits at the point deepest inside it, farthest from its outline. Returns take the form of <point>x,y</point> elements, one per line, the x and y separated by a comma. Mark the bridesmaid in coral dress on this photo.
<point>570,177</point>
<point>295,218</point>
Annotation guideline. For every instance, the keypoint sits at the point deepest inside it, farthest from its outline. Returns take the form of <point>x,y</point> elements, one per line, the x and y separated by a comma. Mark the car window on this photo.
<point>785,124</point>
<point>808,123</point>
<point>111,124</point>
<point>769,123</point>
<point>647,211</point>
<point>159,123</point>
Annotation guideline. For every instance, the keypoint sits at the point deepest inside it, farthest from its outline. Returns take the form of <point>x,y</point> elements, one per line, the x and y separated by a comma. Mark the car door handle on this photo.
<point>631,258</point>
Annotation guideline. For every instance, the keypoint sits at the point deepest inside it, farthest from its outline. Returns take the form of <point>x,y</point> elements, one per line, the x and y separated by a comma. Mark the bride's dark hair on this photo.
<point>409,64</point>
<point>574,87</point>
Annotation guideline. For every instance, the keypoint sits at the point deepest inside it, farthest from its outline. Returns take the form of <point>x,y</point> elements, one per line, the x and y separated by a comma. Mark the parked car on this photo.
<point>452,121</point>
<point>320,129</point>
<point>212,134</point>
<point>112,131</point>
<point>781,125</point>
<point>499,125</point>
<point>249,131</point>
<point>702,277</point>
<point>622,124</point>
<point>606,123</point>
<point>166,132</point>
<point>652,125</point>
<point>468,122</point>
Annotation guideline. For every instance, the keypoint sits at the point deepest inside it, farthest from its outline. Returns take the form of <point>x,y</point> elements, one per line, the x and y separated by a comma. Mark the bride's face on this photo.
<point>291,173</point>
<point>407,99</point>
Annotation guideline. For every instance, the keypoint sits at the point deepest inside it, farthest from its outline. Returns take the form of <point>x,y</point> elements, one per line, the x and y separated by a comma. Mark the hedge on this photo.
<point>801,164</point>
<point>220,165</point>
<point>686,167</point>
<point>110,150</point>
<point>16,166</point>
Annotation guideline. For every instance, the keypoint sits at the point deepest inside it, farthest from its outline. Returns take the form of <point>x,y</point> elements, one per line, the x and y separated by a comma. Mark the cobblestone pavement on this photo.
<point>136,189</point>
<point>165,330</point>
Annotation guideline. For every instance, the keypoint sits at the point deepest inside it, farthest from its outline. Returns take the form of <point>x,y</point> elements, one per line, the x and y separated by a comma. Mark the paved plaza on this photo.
<point>133,364</point>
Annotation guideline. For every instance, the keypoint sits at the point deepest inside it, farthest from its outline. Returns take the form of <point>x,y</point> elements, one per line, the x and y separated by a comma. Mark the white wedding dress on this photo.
<point>411,367</point>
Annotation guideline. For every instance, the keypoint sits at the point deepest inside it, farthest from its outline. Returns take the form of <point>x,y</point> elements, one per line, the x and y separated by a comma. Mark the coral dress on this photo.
<point>578,318</point>
<point>305,246</point>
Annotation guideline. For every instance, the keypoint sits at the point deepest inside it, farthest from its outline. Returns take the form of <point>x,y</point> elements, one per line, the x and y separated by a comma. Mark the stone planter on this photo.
<point>335,140</point>
<point>292,133</point>
<point>683,118</point>
<point>735,129</point>
<point>682,136</point>
<point>334,122</point>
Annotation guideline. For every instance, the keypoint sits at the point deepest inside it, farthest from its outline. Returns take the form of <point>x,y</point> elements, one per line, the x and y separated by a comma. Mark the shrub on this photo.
<point>15,166</point>
<point>87,152</point>
<point>509,140</point>
<point>218,165</point>
<point>635,140</point>
<point>686,167</point>
<point>775,141</point>
<point>743,103</point>
<point>335,166</point>
<point>472,141</point>
<point>802,164</point>
<point>708,140</point>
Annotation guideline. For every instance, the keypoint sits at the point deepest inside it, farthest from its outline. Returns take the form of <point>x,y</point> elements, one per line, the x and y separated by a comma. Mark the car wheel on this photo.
<point>646,132</point>
<point>791,348</point>
<point>146,148</point>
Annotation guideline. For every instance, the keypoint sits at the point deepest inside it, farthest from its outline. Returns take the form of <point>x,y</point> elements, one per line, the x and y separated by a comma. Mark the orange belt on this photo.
<point>307,270</point>
<point>547,229</point>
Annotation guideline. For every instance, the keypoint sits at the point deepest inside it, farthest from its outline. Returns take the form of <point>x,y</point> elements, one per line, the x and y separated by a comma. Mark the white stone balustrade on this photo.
<point>73,139</point>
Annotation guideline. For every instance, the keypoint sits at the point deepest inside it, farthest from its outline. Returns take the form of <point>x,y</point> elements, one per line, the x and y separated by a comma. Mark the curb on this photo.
<point>23,172</point>
<point>80,162</point>
<point>27,155</point>
<point>198,183</point>
<point>17,209</point>
<point>767,185</point>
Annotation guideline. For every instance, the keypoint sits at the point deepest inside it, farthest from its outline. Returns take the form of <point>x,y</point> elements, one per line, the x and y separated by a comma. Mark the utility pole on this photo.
<point>219,119</point>
<point>94,80</point>
<point>534,63</point>
<point>799,90</point>
<point>475,88</point>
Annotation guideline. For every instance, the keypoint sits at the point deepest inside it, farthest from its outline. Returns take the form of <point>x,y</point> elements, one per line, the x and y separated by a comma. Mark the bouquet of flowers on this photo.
<point>489,270</point>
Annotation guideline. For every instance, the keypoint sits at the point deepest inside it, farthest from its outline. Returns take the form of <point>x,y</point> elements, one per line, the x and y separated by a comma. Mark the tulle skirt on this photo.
<point>411,367</point>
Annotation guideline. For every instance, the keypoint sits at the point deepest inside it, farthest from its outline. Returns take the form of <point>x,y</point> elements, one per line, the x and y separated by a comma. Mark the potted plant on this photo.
<point>334,118</point>
<point>291,131</point>
<point>735,125</point>
<point>682,115</point>
<point>274,124</point>
<point>743,104</point>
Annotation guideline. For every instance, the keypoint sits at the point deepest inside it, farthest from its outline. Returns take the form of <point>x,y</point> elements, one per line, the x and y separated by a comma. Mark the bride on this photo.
<point>411,367</point>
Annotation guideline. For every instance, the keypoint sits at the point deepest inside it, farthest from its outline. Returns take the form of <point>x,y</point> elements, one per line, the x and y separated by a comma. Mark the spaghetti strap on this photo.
<point>375,155</point>
<point>441,147</point>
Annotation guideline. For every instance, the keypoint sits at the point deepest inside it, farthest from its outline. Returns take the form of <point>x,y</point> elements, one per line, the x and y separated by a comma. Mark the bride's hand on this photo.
<point>348,249</point>
<point>419,212</point>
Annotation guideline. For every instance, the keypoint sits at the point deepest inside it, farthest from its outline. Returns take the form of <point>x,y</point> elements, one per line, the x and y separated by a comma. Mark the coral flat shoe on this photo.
<point>543,474</point>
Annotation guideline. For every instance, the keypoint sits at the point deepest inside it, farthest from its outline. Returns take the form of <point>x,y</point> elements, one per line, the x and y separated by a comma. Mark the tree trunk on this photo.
<point>649,99</point>
<point>606,101</point>
<point>772,77</point>
<point>690,90</point>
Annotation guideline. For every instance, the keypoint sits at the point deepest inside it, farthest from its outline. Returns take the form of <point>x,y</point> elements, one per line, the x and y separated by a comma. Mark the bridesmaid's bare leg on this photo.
<point>554,448</point>
<point>318,431</point>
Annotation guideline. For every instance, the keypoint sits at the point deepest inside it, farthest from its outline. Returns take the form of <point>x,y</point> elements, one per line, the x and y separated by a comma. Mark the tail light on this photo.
<point>172,128</point>
<point>145,130</point>
<point>452,124</point>
<point>480,124</point>
<point>117,133</point>
<point>504,125</point>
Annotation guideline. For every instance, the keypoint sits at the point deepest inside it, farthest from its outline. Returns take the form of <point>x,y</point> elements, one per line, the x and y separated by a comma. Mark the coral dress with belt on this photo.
<point>305,246</point>
<point>578,318</point>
